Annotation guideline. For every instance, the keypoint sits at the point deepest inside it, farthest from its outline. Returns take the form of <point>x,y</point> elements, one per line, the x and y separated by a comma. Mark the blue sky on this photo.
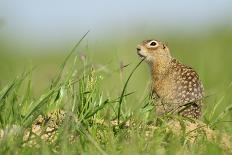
<point>53,19</point>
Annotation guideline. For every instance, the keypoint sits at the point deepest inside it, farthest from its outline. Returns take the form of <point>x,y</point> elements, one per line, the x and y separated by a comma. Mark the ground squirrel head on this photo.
<point>153,50</point>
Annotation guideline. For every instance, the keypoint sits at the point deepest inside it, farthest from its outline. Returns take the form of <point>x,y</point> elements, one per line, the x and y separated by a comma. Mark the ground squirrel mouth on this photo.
<point>140,55</point>
<point>138,52</point>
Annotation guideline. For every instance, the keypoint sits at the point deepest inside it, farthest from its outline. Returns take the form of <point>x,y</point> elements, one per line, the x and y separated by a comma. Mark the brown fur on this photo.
<point>175,86</point>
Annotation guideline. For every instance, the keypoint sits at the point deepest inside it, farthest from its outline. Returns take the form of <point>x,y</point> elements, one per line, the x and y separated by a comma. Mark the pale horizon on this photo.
<point>52,22</point>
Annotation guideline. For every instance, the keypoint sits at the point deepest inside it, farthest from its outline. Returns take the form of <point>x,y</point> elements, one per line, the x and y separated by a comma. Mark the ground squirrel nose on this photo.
<point>138,49</point>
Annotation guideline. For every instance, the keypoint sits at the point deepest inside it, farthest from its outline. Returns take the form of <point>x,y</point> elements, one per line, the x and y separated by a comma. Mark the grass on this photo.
<point>88,120</point>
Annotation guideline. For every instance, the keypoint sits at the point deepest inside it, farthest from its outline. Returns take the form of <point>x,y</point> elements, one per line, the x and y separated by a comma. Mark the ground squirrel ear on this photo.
<point>164,46</point>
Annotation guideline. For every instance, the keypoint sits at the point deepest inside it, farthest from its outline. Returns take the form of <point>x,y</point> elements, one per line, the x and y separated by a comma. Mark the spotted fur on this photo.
<point>175,86</point>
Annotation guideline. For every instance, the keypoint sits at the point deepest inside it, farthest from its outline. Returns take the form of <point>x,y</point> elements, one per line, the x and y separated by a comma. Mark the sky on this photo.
<point>52,21</point>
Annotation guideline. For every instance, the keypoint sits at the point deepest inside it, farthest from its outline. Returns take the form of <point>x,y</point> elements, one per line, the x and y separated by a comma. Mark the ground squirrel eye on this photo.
<point>153,43</point>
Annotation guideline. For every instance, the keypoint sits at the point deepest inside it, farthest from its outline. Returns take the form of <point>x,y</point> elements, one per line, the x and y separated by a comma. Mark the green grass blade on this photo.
<point>124,89</point>
<point>62,66</point>
<point>222,115</point>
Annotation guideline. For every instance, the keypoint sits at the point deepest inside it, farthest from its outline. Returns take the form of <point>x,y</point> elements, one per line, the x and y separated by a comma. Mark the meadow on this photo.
<point>93,99</point>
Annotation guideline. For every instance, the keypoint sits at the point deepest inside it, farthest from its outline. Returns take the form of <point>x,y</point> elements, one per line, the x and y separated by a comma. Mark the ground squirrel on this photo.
<point>175,87</point>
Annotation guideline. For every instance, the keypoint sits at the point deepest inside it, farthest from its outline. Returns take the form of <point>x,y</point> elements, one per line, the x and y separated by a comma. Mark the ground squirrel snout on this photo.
<point>175,86</point>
